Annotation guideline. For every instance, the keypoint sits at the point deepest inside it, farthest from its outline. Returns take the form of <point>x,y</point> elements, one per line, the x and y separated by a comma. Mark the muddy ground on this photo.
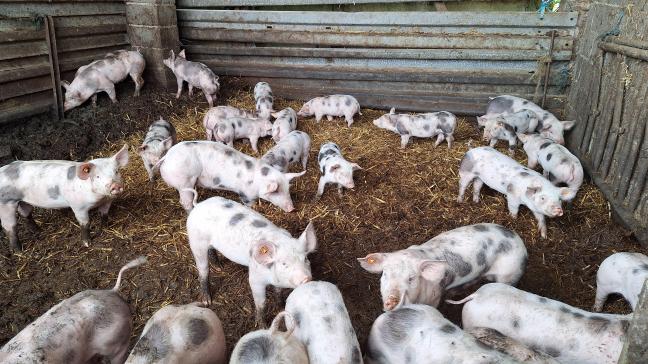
<point>402,197</point>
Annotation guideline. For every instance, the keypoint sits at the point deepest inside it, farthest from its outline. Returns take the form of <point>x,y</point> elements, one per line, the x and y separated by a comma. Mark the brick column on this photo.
<point>153,27</point>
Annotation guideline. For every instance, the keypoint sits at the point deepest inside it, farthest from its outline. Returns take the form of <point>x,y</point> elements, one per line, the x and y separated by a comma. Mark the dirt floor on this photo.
<point>402,197</point>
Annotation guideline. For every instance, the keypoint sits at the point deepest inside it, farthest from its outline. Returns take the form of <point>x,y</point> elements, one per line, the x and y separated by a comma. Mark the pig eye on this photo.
<point>411,279</point>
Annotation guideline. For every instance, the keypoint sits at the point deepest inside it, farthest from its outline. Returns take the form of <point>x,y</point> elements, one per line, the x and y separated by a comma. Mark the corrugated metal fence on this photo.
<point>84,30</point>
<point>412,60</point>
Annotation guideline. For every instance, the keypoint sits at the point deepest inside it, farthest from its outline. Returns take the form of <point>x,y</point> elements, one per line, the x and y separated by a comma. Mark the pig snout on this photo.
<point>116,188</point>
<point>301,279</point>
<point>288,207</point>
<point>557,211</point>
<point>391,302</point>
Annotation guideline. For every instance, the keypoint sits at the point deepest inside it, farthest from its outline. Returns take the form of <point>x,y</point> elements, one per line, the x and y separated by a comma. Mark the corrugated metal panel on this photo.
<point>411,60</point>
<point>85,30</point>
<point>608,103</point>
<point>234,3</point>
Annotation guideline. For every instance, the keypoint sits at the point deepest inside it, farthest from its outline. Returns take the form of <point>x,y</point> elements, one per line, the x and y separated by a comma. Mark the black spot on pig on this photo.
<point>551,351</point>
<point>239,123</point>
<point>481,257</point>
<point>446,128</point>
<point>398,324</point>
<point>402,130</point>
<point>265,170</point>
<point>256,350</point>
<point>71,172</point>
<point>624,325</point>
<point>326,153</point>
<point>480,227</point>
<point>577,315</point>
<point>467,164</point>
<point>10,194</point>
<point>259,223</point>
<point>597,323</point>
<point>53,192</point>
<point>229,153</point>
<point>545,144</point>
<point>504,247</point>
<point>499,105</point>
<point>510,188</point>
<point>509,128</point>
<point>248,164</point>
<point>524,174</point>
<point>216,181</point>
<point>525,102</point>
<point>228,205</point>
<point>542,300</point>
<point>197,330</point>
<point>549,157</point>
<point>329,322</point>
<point>551,176</point>
<point>12,171</point>
<point>297,317</point>
<point>154,345</point>
<point>516,322</point>
<point>448,328</point>
<point>506,232</point>
<point>457,264</point>
<point>442,118</point>
<point>347,101</point>
<point>448,278</point>
<point>545,116</point>
<point>237,218</point>
<point>426,127</point>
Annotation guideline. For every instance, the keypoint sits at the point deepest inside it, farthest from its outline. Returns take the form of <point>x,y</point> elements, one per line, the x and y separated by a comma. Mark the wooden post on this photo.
<point>55,72</point>
<point>635,348</point>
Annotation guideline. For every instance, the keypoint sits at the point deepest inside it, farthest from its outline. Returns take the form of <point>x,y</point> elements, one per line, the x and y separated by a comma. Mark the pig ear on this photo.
<point>167,143</point>
<point>263,252</point>
<point>182,54</point>
<point>355,166</point>
<point>172,55</point>
<point>65,84</point>
<point>392,111</point>
<point>122,156</point>
<point>568,124</point>
<point>373,262</point>
<point>481,120</point>
<point>433,270</point>
<point>532,190</point>
<point>269,188</point>
<point>274,114</point>
<point>308,238</point>
<point>290,176</point>
<point>84,170</point>
<point>566,194</point>
<point>546,126</point>
<point>289,322</point>
<point>523,137</point>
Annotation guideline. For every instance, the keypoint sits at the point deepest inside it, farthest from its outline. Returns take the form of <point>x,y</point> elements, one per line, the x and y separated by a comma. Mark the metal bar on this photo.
<point>50,36</point>
<point>548,68</point>
<point>625,50</point>
<point>384,19</point>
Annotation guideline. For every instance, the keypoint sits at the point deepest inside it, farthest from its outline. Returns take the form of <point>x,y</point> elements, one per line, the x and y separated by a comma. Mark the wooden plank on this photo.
<point>236,3</point>
<point>25,87</point>
<point>28,9</point>
<point>25,106</point>
<point>23,49</point>
<point>92,41</point>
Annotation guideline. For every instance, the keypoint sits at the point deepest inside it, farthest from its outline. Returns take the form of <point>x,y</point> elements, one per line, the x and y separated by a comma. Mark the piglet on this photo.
<point>90,324</point>
<point>217,166</point>
<point>548,125</point>
<point>245,237</point>
<point>218,114</point>
<point>568,334</point>
<point>334,168</point>
<point>264,100</point>
<point>524,121</point>
<point>159,139</point>
<point>292,148</point>
<point>196,74</point>
<point>521,185</point>
<point>441,124</point>
<point>497,129</point>
<point>558,164</point>
<point>333,105</point>
<point>271,346</point>
<point>322,323</point>
<point>102,75</point>
<point>623,273</point>
<point>421,273</point>
<point>504,344</point>
<point>420,334</point>
<point>238,127</point>
<point>180,334</point>
<point>50,184</point>
<point>285,122</point>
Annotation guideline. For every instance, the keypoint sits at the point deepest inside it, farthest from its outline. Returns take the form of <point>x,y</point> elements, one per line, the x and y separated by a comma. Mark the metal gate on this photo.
<point>411,60</point>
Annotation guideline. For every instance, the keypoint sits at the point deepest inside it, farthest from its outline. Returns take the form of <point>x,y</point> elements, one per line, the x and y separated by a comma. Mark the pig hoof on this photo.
<point>86,243</point>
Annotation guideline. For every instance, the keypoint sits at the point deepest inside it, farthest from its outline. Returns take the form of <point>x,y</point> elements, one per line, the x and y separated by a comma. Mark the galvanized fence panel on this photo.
<point>411,60</point>
<point>84,31</point>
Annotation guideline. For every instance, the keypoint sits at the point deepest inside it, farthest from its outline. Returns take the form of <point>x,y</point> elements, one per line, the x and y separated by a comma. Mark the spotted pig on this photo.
<point>334,169</point>
<point>285,122</point>
<point>218,114</point>
<point>330,106</point>
<point>159,139</point>
<point>264,100</point>
<point>441,124</point>
<point>292,148</point>
<point>623,273</point>
<point>196,74</point>
<point>237,127</point>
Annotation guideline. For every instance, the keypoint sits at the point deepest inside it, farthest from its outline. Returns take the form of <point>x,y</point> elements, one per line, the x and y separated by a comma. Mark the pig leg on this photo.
<point>201,255</point>
<point>318,117</point>
<point>83,218</point>
<point>103,211</point>
<point>139,82</point>
<point>191,89</point>
<point>533,161</point>
<point>601,297</point>
<point>513,204</point>
<point>94,100</point>
<point>449,140</point>
<point>179,81</point>
<point>404,140</point>
<point>512,145</point>
<point>464,182</point>
<point>329,117</point>
<point>149,171</point>
<point>254,140</point>
<point>304,159</point>
<point>210,99</point>
<point>259,296</point>
<point>440,139</point>
<point>339,189</point>
<point>477,186</point>
<point>320,188</point>
<point>110,90</point>
<point>9,221</point>
<point>493,142</point>
<point>249,202</point>
<point>349,119</point>
<point>542,225</point>
<point>25,210</point>
<point>186,197</point>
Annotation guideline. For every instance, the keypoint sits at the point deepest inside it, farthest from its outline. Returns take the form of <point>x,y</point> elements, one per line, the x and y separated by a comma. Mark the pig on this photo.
<point>159,139</point>
<point>285,122</point>
<point>245,237</point>
<point>264,99</point>
<point>238,127</point>
<point>102,75</point>
<point>498,129</point>
<point>221,113</point>
<point>513,348</point>
<point>548,125</point>
<point>524,121</point>
<point>322,324</point>
<point>441,124</point>
<point>181,334</point>
<point>334,169</point>
<point>195,73</point>
<point>217,166</point>
<point>558,164</point>
<point>90,324</point>
<point>271,346</point>
<point>420,334</point>
<point>421,273</point>
<point>333,105</point>
<point>568,334</point>
<point>623,273</point>
<point>52,184</point>
<point>292,148</point>
<point>521,185</point>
